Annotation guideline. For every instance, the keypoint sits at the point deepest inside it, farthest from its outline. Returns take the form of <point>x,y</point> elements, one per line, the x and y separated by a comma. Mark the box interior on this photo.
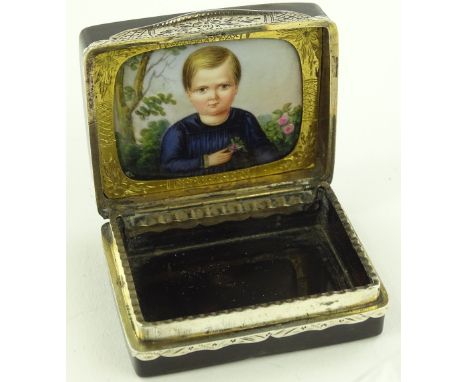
<point>184,272</point>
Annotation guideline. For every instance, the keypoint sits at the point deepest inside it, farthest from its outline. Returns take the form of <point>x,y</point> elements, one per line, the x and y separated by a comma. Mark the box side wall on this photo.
<point>306,340</point>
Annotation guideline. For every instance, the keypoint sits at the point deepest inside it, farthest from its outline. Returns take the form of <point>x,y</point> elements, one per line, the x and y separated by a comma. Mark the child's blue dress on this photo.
<point>184,144</point>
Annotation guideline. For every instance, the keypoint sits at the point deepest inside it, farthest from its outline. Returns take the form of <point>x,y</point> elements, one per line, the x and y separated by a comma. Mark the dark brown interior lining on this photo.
<point>185,272</point>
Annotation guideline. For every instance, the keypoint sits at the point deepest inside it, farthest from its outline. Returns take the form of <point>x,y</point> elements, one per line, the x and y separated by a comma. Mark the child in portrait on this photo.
<point>218,137</point>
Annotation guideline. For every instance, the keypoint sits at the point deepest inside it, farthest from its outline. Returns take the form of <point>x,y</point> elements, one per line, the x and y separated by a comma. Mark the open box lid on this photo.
<point>121,61</point>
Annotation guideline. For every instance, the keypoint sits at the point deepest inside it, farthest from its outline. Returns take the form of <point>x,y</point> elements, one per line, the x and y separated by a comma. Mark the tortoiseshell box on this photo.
<point>212,139</point>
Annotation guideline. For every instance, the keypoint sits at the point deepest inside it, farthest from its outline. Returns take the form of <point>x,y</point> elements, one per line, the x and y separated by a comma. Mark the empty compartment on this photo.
<point>235,264</point>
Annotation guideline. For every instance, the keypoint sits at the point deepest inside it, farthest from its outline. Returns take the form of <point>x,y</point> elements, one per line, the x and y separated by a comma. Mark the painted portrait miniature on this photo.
<point>190,111</point>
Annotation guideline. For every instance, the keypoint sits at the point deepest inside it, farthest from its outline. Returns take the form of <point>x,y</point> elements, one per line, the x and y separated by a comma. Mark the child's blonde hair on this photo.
<point>209,57</point>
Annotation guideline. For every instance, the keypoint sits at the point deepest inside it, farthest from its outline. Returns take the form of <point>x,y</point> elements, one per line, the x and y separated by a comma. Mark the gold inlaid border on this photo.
<point>102,65</point>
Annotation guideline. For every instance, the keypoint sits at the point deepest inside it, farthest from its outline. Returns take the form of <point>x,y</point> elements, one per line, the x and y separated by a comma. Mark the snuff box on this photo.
<point>212,140</point>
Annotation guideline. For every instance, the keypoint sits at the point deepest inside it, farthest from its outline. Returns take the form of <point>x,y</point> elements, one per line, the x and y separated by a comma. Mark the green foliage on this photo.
<point>264,119</point>
<point>133,62</point>
<point>282,127</point>
<point>153,105</point>
<point>129,93</point>
<point>141,160</point>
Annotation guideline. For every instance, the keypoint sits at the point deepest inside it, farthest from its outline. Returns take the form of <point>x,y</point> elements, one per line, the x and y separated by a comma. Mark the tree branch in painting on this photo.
<point>139,158</point>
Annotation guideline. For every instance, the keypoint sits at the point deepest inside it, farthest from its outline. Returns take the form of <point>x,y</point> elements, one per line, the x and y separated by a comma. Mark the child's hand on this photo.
<point>219,157</point>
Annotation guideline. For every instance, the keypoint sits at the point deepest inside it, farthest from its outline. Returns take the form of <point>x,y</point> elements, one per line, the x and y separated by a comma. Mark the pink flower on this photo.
<point>283,120</point>
<point>288,129</point>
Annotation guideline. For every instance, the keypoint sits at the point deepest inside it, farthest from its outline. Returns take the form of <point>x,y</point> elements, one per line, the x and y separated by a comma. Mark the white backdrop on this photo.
<point>366,181</point>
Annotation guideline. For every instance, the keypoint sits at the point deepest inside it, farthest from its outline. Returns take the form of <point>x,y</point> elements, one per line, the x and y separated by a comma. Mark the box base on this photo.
<point>159,348</point>
<point>306,340</point>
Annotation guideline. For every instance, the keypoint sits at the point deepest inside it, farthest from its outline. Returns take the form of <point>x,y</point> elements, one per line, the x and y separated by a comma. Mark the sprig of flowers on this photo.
<point>236,144</point>
<point>287,128</point>
<point>282,126</point>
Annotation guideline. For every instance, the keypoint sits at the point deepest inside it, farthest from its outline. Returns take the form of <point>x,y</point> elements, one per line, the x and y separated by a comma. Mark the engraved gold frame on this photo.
<point>102,62</point>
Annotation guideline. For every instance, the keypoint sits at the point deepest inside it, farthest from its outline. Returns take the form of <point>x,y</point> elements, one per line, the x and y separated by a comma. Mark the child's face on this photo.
<point>213,90</point>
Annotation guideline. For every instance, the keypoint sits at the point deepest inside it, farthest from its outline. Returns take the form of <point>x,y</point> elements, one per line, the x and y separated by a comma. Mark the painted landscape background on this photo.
<point>149,98</point>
